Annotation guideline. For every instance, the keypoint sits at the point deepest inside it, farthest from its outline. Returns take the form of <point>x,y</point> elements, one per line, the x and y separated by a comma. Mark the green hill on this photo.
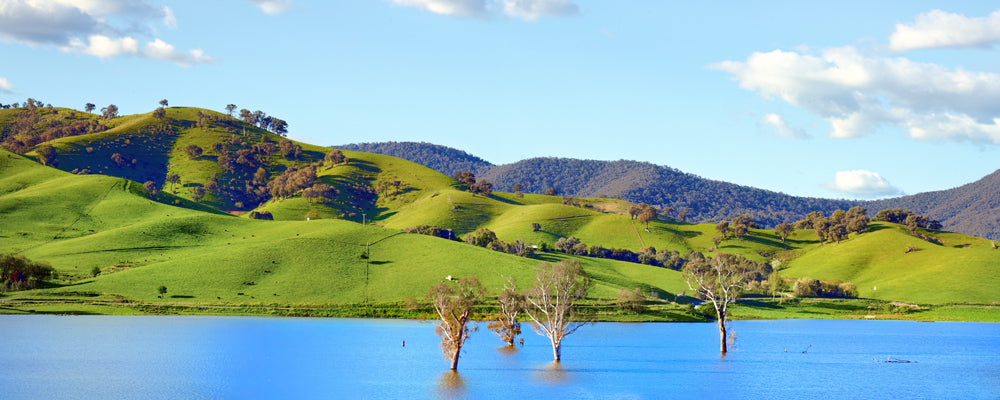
<point>207,251</point>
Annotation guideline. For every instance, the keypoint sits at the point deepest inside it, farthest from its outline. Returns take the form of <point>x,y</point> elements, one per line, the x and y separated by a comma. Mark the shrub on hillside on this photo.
<point>20,273</point>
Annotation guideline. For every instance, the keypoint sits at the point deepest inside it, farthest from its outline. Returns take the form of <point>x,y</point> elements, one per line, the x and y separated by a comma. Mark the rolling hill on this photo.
<point>207,250</point>
<point>973,209</point>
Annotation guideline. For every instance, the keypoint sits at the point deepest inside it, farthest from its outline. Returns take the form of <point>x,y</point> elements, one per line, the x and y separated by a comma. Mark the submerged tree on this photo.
<point>552,301</point>
<point>453,304</point>
<point>511,304</point>
<point>720,281</point>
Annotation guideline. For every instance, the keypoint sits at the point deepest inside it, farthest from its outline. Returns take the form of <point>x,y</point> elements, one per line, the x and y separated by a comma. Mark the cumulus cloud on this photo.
<point>102,28</point>
<point>781,128</point>
<point>861,183</point>
<point>5,86</point>
<point>937,29</point>
<point>528,10</point>
<point>272,6</point>
<point>857,93</point>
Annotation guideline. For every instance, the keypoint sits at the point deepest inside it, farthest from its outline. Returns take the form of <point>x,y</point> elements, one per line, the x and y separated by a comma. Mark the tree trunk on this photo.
<point>556,350</point>
<point>454,359</point>
<point>722,332</point>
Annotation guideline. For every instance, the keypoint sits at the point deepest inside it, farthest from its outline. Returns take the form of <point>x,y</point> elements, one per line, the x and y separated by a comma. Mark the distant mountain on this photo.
<point>445,160</point>
<point>973,209</point>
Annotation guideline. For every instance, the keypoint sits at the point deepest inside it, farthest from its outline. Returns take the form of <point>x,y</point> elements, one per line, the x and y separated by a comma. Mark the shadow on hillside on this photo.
<point>379,262</point>
<point>181,296</point>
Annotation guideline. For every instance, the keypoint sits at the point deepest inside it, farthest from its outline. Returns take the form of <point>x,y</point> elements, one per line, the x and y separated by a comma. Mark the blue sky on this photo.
<point>839,100</point>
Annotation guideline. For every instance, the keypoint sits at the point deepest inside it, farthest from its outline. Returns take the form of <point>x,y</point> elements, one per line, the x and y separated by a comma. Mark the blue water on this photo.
<point>96,357</point>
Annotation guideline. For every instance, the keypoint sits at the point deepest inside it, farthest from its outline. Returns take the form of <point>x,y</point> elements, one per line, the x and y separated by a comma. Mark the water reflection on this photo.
<point>507,350</point>
<point>553,373</point>
<point>451,385</point>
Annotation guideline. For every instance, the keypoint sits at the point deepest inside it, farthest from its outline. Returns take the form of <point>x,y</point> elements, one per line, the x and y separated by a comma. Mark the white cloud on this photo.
<point>861,183</point>
<point>102,28</point>
<point>528,10</point>
<point>937,29</point>
<point>781,128</point>
<point>5,86</point>
<point>168,18</point>
<point>856,93</point>
<point>273,6</point>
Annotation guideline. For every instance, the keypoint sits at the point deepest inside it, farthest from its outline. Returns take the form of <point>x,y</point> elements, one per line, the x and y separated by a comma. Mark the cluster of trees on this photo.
<point>808,287</point>
<point>550,304</point>
<point>643,212</point>
<point>261,120</point>
<point>483,237</point>
<point>468,179</point>
<point>27,129</point>
<point>292,181</point>
<point>736,229</point>
<point>648,255</point>
<point>837,227</point>
<point>908,218</point>
<point>19,273</point>
<point>432,231</point>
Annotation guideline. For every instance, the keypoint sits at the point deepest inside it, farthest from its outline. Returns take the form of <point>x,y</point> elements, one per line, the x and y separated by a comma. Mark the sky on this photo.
<point>848,99</point>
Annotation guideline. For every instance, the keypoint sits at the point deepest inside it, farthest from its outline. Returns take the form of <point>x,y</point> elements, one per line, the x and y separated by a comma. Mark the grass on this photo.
<point>211,261</point>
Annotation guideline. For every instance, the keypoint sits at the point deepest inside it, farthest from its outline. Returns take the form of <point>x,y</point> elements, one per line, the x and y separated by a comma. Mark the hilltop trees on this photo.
<point>230,108</point>
<point>553,298</point>
<point>783,230</point>
<point>163,103</point>
<point>109,112</point>
<point>838,226</point>
<point>89,107</point>
<point>453,303</point>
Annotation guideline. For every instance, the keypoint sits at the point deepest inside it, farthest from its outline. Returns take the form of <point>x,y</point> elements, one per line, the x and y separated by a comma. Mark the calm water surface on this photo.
<point>97,357</point>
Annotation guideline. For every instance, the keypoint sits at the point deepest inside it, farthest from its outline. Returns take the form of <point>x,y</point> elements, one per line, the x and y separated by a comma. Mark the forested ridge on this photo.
<point>972,209</point>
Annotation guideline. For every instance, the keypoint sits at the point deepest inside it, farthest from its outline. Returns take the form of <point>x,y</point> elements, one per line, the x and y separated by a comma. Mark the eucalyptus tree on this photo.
<point>720,281</point>
<point>453,302</point>
<point>553,300</point>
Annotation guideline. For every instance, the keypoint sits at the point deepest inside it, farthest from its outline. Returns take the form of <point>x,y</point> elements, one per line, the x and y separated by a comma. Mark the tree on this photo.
<point>279,126</point>
<point>646,214</point>
<point>89,107</point>
<point>453,304</point>
<point>109,112</point>
<point>630,300</point>
<point>552,301</point>
<point>173,178</point>
<point>246,116</point>
<point>47,155</point>
<point>193,151</point>
<point>719,281</point>
<point>783,230</point>
<point>550,192</point>
<point>482,187</point>
<point>162,290</point>
<point>159,113</point>
<point>336,156</point>
<point>723,228</point>
<point>466,178</point>
<point>197,193</point>
<point>151,188</point>
<point>230,108</point>
<point>163,103</point>
<point>511,305</point>
<point>535,227</point>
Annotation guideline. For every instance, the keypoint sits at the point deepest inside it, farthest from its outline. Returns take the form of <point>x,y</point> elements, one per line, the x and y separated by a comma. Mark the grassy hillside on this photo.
<point>961,268</point>
<point>81,222</point>
<point>208,252</point>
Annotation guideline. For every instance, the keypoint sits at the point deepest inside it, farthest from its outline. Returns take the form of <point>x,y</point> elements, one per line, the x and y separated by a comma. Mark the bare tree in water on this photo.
<point>511,304</point>
<point>552,301</point>
<point>453,303</point>
<point>721,282</point>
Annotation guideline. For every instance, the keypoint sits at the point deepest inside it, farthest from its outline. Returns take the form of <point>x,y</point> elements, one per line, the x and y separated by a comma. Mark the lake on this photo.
<point>116,357</point>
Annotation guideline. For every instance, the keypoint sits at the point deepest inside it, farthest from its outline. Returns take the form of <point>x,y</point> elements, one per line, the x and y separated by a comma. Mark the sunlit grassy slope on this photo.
<point>205,255</point>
